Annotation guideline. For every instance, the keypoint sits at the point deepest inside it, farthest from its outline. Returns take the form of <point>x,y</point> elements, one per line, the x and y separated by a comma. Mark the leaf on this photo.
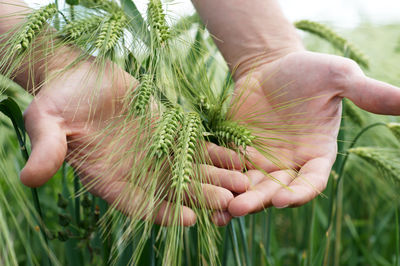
<point>136,20</point>
<point>11,109</point>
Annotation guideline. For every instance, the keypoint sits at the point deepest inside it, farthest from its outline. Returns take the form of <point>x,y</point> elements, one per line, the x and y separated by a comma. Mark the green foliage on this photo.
<point>323,31</point>
<point>353,113</point>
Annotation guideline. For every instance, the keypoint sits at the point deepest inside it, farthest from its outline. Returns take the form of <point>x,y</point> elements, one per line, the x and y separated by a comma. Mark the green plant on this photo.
<point>187,101</point>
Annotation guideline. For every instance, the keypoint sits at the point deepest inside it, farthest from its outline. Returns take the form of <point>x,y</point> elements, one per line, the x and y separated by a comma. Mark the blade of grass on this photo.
<point>136,20</point>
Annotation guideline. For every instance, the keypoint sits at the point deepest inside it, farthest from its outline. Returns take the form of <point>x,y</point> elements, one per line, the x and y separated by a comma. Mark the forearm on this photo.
<point>248,31</point>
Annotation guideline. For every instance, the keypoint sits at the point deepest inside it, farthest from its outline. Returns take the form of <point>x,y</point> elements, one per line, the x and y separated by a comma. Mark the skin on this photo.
<point>70,110</point>
<point>267,58</point>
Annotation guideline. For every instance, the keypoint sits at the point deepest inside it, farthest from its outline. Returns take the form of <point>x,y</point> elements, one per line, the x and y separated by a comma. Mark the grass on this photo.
<point>361,207</point>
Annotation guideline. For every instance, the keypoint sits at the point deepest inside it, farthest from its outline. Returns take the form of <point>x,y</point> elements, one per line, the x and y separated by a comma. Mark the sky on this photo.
<point>340,13</point>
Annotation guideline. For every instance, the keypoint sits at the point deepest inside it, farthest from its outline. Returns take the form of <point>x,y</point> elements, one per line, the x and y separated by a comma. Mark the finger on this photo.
<point>374,96</point>
<point>232,180</point>
<point>259,196</point>
<point>223,157</point>
<point>216,198</point>
<point>221,218</point>
<point>134,202</point>
<point>311,181</point>
<point>49,147</point>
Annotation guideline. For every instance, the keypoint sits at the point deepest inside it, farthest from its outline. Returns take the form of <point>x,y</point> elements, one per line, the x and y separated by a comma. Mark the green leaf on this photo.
<point>11,109</point>
<point>136,20</point>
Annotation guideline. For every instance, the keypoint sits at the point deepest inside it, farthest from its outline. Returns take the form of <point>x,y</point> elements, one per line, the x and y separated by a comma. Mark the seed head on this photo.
<point>110,32</point>
<point>33,26</point>
<point>231,132</point>
<point>166,132</point>
<point>182,169</point>
<point>335,39</point>
<point>157,22</point>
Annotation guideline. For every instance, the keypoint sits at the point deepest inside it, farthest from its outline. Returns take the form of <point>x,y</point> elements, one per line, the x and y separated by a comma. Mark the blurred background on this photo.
<point>342,13</point>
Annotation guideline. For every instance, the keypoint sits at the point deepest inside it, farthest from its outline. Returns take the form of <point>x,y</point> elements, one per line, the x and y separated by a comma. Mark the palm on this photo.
<point>297,100</point>
<point>67,120</point>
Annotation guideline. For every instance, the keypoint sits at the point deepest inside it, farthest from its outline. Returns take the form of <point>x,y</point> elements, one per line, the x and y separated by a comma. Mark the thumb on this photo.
<point>49,146</point>
<point>374,96</point>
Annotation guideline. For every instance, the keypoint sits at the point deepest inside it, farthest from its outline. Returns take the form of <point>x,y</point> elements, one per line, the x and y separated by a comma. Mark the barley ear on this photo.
<point>166,131</point>
<point>79,28</point>
<point>158,25</point>
<point>395,129</point>
<point>229,132</point>
<point>182,168</point>
<point>111,31</point>
<point>142,95</point>
<point>347,48</point>
<point>34,25</point>
<point>380,158</point>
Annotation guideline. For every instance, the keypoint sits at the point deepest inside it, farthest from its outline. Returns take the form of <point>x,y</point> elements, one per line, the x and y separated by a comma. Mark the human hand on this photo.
<point>66,120</point>
<point>294,104</point>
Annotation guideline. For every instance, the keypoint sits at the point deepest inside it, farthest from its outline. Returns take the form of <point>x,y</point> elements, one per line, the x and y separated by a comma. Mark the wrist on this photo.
<point>253,59</point>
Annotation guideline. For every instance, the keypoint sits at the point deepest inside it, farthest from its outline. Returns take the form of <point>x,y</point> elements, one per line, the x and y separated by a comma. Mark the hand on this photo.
<point>66,120</point>
<point>297,101</point>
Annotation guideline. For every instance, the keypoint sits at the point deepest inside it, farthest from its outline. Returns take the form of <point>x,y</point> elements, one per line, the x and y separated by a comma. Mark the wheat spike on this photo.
<point>110,32</point>
<point>335,39</point>
<point>158,24</point>
<point>167,130</point>
<point>77,28</point>
<point>395,129</point>
<point>188,136</point>
<point>34,25</point>
<point>107,5</point>
<point>232,132</point>
<point>143,94</point>
<point>380,159</point>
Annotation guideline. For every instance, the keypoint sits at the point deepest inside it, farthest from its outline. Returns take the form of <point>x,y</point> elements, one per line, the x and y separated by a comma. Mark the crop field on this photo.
<point>185,98</point>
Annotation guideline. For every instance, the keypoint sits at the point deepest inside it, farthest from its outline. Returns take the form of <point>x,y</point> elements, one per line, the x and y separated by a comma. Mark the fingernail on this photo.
<point>281,207</point>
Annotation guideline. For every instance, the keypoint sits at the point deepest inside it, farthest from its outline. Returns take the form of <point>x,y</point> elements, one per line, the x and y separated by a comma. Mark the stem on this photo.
<point>232,233</point>
<point>225,249</point>
<point>242,233</point>
<point>353,143</point>
<point>72,12</point>
<point>312,232</point>
<point>268,240</point>
<point>152,245</point>
<point>397,258</point>
<point>77,200</point>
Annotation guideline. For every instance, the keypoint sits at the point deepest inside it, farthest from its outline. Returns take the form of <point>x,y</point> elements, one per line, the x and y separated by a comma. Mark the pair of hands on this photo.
<point>297,99</point>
